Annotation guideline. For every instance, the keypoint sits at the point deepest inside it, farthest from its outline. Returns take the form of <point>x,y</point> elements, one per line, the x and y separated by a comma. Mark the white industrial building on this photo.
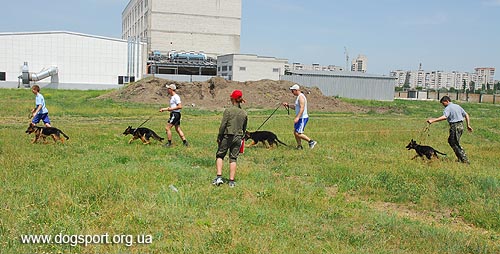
<point>347,84</point>
<point>246,67</point>
<point>68,60</point>
<point>209,26</point>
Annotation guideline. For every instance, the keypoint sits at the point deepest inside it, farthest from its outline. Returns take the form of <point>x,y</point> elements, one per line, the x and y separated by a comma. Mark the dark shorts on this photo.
<point>43,117</point>
<point>175,118</point>
<point>231,143</point>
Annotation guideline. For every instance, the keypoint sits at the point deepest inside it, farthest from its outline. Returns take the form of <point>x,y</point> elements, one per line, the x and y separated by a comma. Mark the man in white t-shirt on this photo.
<point>175,116</point>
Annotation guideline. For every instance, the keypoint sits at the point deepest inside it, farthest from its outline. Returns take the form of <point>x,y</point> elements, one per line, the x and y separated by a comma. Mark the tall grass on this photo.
<point>358,191</point>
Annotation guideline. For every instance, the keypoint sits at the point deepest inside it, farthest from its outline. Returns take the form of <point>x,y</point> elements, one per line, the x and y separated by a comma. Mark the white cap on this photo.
<point>171,86</point>
<point>295,87</point>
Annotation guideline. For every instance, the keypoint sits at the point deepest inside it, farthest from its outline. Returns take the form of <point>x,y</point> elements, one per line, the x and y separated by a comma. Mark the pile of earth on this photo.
<point>214,94</point>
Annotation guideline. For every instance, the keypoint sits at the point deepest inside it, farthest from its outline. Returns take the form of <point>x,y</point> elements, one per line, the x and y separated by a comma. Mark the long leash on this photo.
<point>144,122</point>
<point>424,133</point>
<point>268,117</point>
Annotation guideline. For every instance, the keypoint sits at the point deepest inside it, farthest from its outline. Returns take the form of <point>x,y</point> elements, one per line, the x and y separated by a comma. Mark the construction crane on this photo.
<point>346,59</point>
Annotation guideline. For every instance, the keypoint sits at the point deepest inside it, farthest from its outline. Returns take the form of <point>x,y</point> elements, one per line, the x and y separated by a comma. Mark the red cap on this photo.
<point>236,94</point>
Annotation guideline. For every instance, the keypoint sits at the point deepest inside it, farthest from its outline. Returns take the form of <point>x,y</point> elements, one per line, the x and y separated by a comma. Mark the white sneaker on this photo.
<point>312,143</point>
<point>217,181</point>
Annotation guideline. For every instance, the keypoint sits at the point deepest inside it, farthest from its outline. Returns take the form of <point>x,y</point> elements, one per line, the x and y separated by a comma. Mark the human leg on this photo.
<point>181,134</point>
<point>456,131</point>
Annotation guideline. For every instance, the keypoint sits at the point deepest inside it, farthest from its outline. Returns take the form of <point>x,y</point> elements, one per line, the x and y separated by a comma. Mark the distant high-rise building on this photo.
<point>359,64</point>
<point>209,26</point>
<point>435,79</point>
<point>485,76</point>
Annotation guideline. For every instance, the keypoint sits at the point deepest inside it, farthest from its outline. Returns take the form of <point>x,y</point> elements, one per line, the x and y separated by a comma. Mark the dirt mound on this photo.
<point>214,94</point>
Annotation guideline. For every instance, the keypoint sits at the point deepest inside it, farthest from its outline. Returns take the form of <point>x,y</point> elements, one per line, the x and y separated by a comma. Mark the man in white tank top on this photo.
<point>301,117</point>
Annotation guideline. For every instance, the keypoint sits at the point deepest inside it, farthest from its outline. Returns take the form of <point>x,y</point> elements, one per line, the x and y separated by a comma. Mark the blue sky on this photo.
<point>443,35</point>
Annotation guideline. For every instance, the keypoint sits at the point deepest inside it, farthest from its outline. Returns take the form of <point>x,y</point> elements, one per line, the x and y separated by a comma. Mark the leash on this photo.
<point>425,132</point>
<point>144,122</point>
<point>269,117</point>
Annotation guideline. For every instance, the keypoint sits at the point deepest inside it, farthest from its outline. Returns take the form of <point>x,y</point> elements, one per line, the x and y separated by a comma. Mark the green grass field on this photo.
<point>358,191</point>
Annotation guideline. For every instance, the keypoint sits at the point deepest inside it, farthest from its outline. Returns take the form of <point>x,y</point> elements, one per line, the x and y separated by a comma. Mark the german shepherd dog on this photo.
<point>142,133</point>
<point>423,150</point>
<point>263,136</point>
<point>43,132</point>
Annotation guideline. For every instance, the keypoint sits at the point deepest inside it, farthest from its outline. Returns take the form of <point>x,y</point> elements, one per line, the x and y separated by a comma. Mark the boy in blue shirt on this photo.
<point>40,112</point>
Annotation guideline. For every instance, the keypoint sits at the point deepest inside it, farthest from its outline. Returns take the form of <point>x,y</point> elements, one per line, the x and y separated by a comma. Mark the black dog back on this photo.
<point>43,132</point>
<point>142,133</point>
<point>426,151</point>
<point>263,136</point>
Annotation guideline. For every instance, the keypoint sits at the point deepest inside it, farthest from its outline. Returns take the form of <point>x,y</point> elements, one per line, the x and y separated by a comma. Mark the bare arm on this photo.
<point>286,104</point>
<point>36,110</point>
<point>179,106</point>
<point>439,119</point>
<point>467,120</point>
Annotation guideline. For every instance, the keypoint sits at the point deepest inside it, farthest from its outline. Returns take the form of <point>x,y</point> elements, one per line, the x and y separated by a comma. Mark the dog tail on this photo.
<point>439,152</point>
<point>66,136</point>
<point>281,142</point>
<point>157,137</point>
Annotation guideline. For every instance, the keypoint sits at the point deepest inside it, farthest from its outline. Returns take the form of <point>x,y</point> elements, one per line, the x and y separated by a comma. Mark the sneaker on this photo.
<point>299,147</point>
<point>167,145</point>
<point>231,184</point>
<point>217,181</point>
<point>186,143</point>
<point>312,143</point>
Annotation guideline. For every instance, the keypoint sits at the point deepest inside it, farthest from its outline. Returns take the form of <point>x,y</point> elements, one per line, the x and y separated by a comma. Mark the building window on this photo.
<point>230,68</point>
<point>218,68</point>
<point>276,69</point>
<point>224,68</point>
<point>2,76</point>
<point>243,68</point>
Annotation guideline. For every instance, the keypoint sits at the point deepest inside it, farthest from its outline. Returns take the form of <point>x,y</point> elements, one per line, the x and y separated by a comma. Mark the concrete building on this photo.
<point>400,77</point>
<point>485,76</point>
<point>359,64</point>
<point>436,79</point>
<point>209,26</point>
<point>243,67</point>
<point>68,60</point>
<point>353,85</point>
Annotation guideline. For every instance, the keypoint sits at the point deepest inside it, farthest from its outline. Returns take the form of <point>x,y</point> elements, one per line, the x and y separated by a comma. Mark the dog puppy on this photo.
<point>43,132</point>
<point>263,136</point>
<point>428,151</point>
<point>142,133</point>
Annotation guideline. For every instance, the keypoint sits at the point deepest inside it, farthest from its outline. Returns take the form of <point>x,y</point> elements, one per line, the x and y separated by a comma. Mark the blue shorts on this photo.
<point>301,125</point>
<point>43,117</point>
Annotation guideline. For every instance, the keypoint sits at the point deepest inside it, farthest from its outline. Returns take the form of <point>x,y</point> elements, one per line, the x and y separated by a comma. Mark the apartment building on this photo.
<point>485,75</point>
<point>359,64</point>
<point>447,80</point>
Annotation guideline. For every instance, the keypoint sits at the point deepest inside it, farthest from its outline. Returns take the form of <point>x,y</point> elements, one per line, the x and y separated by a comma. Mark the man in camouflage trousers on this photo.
<point>455,116</point>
